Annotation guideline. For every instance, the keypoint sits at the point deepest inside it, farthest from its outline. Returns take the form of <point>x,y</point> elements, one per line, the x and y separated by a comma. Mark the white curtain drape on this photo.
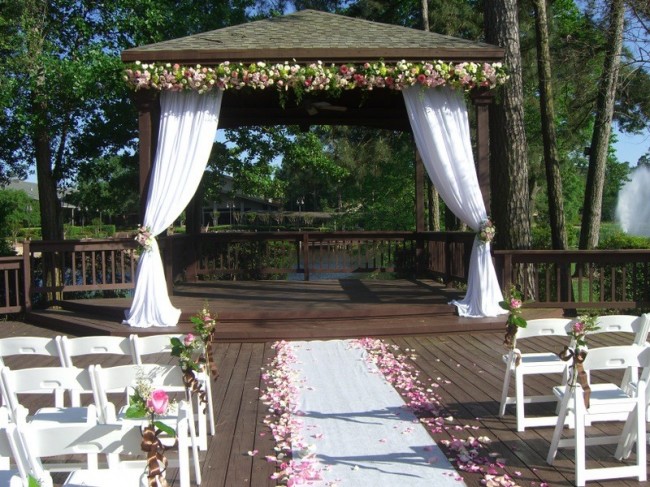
<point>188,127</point>
<point>440,126</point>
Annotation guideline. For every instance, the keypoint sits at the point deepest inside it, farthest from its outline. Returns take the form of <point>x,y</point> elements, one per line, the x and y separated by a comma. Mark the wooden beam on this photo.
<point>148,105</point>
<point>482,101</point>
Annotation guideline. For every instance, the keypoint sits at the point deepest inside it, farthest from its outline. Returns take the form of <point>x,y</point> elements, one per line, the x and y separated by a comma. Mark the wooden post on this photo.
<point>482,101</point>
<point>148,105</point>
<point>27,276</point>
<point>305,254</point>
<point>420,175</point>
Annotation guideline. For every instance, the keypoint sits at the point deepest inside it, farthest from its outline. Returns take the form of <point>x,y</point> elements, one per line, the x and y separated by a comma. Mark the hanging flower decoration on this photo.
<point>314,77</point>
<point>194,352</point>
<point>147,401</point>
<point>577,352</point>
<point>144,238</point>
<point>513,303</point>
<point>486,231</point>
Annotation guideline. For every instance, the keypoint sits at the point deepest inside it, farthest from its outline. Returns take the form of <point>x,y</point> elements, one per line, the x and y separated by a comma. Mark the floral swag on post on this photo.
<point>194,352</point>
<point>513,303</point>
<point>486,231</point>
<point>314,77</point>
<point>577,353</point>
<point>144,238</point>
<point>146,401</point>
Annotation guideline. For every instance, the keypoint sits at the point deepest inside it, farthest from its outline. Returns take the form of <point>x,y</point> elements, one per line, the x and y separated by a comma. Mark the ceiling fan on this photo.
<point>313,107</point>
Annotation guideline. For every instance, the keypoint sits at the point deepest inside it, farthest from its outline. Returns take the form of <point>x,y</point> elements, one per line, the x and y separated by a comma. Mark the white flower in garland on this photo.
<point>144,238</point>
<point>487,231</point>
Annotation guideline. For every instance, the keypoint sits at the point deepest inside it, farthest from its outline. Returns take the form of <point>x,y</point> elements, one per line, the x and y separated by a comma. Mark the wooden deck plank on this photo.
<point>471,371</point>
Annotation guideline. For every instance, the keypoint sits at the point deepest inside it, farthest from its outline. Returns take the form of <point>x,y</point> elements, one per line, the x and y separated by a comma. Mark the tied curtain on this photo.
<point>188,126</point>
<point>440,126</point>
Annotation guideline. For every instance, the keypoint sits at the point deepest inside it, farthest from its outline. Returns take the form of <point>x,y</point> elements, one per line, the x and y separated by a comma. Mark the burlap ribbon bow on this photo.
<point>156,459</point>
<point>579,372</point>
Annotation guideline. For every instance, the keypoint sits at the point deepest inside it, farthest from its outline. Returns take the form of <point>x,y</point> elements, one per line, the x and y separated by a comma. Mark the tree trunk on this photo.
<point>592,210</point>
<point>434,207</point>
<point>547,106</point>
<point>508,153</point>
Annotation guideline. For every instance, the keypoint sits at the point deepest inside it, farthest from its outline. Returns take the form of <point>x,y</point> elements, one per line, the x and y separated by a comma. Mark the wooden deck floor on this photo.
<point>467,367</point>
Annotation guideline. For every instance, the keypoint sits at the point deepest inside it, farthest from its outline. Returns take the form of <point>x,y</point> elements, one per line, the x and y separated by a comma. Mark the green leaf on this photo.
<point>136,411</point>
<point>32,482</point>
<point>504,305</point>
<point>519,321</point>
<point>165,428</point>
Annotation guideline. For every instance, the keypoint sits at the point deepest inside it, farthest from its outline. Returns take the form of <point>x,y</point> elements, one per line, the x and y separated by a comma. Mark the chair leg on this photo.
<point>519,406</point>
<point>559,427</point>
<point>504,391</point>
<point>580,440</point>
<point>208,390</point>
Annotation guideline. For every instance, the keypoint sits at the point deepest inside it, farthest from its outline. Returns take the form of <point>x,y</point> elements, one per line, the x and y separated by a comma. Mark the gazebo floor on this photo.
<point>268,310</point>
<point>467,366</point>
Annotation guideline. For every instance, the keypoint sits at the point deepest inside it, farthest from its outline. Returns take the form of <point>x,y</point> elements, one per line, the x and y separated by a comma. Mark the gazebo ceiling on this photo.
<point>309,36</point>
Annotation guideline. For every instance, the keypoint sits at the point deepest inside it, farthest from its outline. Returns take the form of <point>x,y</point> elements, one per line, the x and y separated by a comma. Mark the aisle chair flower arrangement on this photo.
<point>513,303</point>
<point>194,352</point>
<point>149,402</point>
<point>577,351</point>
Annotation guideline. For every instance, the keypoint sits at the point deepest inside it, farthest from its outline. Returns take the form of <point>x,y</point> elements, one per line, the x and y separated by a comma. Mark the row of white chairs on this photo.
<point>625,401</point>
<point>104,383</point>
<point>31,446</point>
<point>137,349</point>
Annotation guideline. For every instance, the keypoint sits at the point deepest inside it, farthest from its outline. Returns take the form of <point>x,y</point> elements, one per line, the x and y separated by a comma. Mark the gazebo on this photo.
<point>318,39</point>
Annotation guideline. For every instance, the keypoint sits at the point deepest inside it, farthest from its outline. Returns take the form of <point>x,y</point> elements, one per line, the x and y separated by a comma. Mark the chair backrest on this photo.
<point>43,380</point>
<point>124,379</point>
<point>618,357</point>
<point>638,325</point>
<point>545,327</point>
<point>14,346</point>
<point>150,345</point>
<point>94,345</point>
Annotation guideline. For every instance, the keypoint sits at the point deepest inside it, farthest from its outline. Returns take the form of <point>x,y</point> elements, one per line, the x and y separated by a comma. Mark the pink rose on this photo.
<point>515,303</point>
<point>189,338</point>
<point>579,328</point>
<point>158,401</point>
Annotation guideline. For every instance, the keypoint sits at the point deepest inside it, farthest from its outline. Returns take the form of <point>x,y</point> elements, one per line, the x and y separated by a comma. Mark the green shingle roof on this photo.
<point>311,35</point>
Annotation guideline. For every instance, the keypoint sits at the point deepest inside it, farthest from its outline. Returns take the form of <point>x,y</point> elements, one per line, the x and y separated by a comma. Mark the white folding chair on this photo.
<point>111,440</point>
<point>606,402</point>
<point>44,380</point>
<point>520,365</point>
<point>145,347</point>
<point>123,379</point>
<point>99,346</point>
<point>10,450</point>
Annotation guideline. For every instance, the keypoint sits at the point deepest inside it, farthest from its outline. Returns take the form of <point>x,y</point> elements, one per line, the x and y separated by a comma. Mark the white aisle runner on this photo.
<point>361,430</point>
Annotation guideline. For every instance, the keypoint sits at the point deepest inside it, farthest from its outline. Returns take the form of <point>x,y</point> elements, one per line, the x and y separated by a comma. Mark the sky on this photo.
<point>629,148</point>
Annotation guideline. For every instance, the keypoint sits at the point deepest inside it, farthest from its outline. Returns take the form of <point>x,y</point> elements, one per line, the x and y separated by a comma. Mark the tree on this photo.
<point>547,106</point>
<point>508,154</point>
<point>17,211</point>
<point>591,216</point>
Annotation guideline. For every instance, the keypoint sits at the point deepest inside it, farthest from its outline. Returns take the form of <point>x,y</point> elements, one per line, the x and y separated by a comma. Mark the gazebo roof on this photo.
<point>310,35</point>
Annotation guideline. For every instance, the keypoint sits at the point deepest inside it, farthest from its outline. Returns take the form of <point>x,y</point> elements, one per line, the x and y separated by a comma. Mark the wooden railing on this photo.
<point>54,268</point>
<point>572,279</point>
<point>11,285</point>
<point>578,279</point>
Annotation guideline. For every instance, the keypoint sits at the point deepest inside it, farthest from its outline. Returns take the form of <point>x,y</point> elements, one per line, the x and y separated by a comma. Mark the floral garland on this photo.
<point>513,304</point>
<point>144,238</point>
<point>486,231</point>
<point>314,77</point>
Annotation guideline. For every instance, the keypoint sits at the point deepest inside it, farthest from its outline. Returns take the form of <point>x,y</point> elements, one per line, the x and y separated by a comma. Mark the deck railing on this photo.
<point>580,278</point>
<point>51,271</point>
<point>11,287</point>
